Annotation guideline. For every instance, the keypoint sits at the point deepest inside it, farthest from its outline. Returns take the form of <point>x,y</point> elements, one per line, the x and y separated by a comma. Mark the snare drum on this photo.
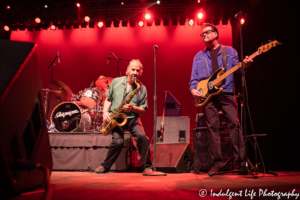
<point>69,117</point>
<point>92,110</point>
<point>89,97</point>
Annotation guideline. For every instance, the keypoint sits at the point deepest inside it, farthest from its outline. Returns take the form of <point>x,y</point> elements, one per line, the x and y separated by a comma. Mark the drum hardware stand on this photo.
<point>46,97</point>
<point>118,60</point>
<point>52,66</point>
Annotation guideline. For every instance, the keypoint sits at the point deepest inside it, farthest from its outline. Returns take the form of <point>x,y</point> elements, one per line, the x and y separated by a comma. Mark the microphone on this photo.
<point>108,57</point>
<point>155,47</point>
<point>237,14</point>
<point>57,55</point>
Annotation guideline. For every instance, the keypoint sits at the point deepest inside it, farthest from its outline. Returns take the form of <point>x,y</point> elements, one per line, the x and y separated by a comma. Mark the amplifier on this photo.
<point>176,129</point>
<point>202,159</point>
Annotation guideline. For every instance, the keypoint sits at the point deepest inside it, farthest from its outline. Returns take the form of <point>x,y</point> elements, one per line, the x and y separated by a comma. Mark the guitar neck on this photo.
<point>224,75</point>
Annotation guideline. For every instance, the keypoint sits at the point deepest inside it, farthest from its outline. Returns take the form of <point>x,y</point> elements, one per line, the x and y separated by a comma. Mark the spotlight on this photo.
<point>7,7</point>
<point>53,27</point>
<point>166,21</point>
<point>200,15</point>
<point>100,24</point>
<point>45,6</point>
<point>78,5</point>
<point>158,2</point>
<point>124,23</point>
<point>87,18</point>
<point>37,20</point>
<point>141,23</point>
<point>198,1</point>
<point>108,23</point>
<point>122,3</point>
<point>132,22</point>
<point>147,16</point>
<point>6,28</point>
<point>191,22</point>
<point>242,21</point>
<point>117,23</point>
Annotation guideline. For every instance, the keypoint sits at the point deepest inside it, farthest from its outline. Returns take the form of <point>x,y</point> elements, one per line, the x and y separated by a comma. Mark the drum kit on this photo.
<point>82,112</point>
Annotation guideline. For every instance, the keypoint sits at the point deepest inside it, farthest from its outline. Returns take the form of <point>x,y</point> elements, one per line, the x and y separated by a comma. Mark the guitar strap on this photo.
<point>224,56</point>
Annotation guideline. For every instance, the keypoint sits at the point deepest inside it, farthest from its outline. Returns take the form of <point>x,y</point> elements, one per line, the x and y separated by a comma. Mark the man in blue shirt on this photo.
<point>205,63</point>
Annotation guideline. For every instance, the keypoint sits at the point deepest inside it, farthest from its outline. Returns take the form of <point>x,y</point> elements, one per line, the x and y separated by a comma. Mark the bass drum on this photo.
<point>69,117</point>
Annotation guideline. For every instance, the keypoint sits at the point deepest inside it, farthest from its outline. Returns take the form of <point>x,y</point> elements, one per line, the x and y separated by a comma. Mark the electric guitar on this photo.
<point>209,87</point>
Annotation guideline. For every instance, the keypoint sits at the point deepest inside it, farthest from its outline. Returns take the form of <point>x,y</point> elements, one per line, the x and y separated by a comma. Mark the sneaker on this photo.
<point>100,170</point>
<point>148,170</point>
<point>214,170</point>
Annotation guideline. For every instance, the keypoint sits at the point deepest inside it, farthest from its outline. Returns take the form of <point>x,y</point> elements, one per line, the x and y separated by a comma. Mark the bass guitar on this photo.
<point>209,87</point>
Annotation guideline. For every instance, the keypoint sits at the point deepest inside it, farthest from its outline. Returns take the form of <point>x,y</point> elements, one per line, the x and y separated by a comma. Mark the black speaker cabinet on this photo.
<point>202,159</point>
<point>24,137</point>
<point>176,129</point>
<point>173,158</point>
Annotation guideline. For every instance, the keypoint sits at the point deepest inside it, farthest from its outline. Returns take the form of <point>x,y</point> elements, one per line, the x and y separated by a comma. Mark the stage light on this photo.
<point>37,20</point>
<point>166,22</point>
<point>87,18</point>
<point>198,1</point>
<point>200,15</point>
<point>147,16</point>
<point>7,7</point>
<point>45,6</point>
<point>242,21</point>
<point>158,2</point>
<point>141,23</point>
<point>122,3</point>
<point>117,23</point>
<point>6,28</point>
<point>124,23</point>
<point>53,27</point>
<point>78,5</point>
<point>191,22</point>
<point>100,24</point>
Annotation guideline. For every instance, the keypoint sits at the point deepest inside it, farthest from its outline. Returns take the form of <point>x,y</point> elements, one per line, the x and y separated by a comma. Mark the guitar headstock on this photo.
<point>268,46</point>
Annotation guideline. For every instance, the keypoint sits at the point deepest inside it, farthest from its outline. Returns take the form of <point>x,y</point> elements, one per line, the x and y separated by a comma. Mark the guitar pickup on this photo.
<point>200,91</point>
<point>210,85</point>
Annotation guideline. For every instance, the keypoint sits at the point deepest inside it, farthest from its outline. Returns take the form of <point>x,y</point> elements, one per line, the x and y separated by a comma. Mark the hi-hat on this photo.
<point>63,91</point>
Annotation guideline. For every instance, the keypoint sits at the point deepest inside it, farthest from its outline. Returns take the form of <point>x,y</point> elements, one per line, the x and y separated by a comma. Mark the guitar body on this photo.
<point>207,89</point>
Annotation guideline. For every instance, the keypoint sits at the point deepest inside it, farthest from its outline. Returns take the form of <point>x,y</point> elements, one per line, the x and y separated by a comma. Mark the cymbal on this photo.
<point>103,82</point>
<point>63,91</point>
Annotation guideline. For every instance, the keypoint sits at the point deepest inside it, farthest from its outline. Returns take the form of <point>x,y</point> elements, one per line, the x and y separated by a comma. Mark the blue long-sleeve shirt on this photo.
<point>202,68</point>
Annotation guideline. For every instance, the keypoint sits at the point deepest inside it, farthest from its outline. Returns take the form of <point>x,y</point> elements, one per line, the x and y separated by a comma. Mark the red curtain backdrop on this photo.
<point>83,58</point>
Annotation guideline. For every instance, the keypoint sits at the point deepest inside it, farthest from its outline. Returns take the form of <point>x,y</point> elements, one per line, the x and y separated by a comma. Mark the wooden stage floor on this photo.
<point>127,185</point>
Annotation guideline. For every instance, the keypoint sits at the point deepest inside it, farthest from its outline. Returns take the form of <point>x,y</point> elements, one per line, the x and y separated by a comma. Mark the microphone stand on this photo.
<point>118,60</point>
<point>51,65</point>
<point>155,173</point>
<point>253,168</point>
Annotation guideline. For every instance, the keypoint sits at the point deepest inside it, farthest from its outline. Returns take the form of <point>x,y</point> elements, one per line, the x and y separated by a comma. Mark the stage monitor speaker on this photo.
<point>173,158</point>
<point>172,106</point>
<point>176,129</point>
<point>202,159</point>
<point>24,138</point>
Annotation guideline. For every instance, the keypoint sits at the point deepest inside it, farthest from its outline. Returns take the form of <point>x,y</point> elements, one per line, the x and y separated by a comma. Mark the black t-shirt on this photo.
<point>213,55</point>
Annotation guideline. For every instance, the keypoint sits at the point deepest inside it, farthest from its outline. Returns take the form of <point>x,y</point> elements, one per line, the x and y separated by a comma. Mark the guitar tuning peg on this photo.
<point>262,44</point>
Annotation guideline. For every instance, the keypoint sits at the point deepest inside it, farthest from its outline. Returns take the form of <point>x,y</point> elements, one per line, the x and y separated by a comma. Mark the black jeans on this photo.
<point>135,127</point>
<point>225,102</point>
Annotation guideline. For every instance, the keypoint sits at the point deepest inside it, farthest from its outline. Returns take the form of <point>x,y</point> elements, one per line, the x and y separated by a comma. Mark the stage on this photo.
<point>126,185</point>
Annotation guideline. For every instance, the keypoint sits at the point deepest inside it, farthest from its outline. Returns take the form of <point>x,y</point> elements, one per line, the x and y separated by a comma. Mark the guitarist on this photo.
<point>204,64</point>
<point>119,90</point>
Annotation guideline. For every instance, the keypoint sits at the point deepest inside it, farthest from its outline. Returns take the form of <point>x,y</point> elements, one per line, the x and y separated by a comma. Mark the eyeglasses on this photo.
<point>206,33</point>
